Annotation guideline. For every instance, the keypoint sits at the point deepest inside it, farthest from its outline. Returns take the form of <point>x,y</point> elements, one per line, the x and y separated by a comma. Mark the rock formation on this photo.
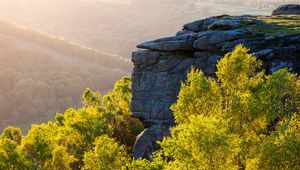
<point>160,68</point>
<point>290,9</point>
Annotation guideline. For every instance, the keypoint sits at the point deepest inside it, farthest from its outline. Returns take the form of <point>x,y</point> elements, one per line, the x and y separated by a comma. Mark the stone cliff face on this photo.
<point>160,68</point>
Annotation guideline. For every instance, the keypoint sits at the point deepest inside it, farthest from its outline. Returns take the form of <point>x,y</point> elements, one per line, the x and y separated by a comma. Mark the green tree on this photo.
<point>61,159</point>
<point>37,145</point>
<point>10,155</point>
<point>237,120</point>
<point>12,133</point>
<point>116,104</point>
<point>106,155</point>
<point>91,98</point>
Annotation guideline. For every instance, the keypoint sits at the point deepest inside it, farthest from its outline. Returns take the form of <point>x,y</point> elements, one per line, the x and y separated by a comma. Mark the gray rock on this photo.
<point>279,64</point>
<point>146,142</point>
<point>184,32</point>
<point>224,25</point>
<point>290,9</point>
<point>202,25</point>
<point>207,62</point>
<point>208,40</point>
<point>145,58</point>
<point>266,54</point>
<point>253,44</point>
<point>288,52</point>
<point>177,43</point>
<point>270,38</point>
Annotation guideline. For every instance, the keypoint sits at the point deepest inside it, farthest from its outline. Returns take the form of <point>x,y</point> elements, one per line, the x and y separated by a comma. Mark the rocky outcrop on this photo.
<point>290,9</point>
<point>163,64</point>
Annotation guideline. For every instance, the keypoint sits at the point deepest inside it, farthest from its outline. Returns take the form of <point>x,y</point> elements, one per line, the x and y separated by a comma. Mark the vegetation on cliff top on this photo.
<point>278,24</point>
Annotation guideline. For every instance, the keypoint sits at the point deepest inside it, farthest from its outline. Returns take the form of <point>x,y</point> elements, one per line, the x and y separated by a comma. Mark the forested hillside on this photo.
<point>42,74</point>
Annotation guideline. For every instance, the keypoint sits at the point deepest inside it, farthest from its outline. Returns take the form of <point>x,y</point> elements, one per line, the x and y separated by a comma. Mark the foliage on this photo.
<point>106,155</point>
<point>12,133</point>
<point>10,155</point>
<point>244,119</point>
<point>91,137</point>
<point>277,24</point>
<point>116,104</point>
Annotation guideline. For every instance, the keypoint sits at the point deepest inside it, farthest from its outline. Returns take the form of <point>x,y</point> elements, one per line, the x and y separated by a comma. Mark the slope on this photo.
<point>41,74</point>
<point>117,27</point>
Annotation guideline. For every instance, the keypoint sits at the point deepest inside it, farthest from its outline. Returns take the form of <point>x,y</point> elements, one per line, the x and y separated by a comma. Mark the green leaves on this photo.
<point>90,137</point>
<point>244,119</point>
<point>106,155</point>
<point>198,96</point>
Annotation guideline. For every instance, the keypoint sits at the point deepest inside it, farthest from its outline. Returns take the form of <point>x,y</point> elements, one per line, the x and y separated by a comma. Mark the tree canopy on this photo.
<point>242,119</point>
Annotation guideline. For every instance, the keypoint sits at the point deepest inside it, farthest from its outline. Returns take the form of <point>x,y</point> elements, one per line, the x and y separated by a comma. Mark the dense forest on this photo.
<point>42,74</point>
<point>98,24</point>
<point>242,119</point>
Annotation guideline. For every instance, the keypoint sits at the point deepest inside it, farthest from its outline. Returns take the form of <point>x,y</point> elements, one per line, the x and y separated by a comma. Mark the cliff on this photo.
<point>163,64</point>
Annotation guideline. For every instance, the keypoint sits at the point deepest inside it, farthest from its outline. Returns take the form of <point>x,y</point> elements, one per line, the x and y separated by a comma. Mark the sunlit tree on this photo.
<point>244,119</point>
<point>107,155</point>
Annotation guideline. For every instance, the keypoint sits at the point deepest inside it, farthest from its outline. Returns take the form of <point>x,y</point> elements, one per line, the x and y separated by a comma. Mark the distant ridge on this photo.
<point>42,74</point>
<point>64,46</point>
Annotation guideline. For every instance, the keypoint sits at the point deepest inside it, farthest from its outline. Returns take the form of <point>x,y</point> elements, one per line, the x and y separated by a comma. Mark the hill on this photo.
<point>117,27</point>
<point>42,74</point>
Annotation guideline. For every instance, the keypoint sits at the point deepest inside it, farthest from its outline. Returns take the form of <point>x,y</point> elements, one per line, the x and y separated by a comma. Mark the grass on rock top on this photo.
<point>278,24</point>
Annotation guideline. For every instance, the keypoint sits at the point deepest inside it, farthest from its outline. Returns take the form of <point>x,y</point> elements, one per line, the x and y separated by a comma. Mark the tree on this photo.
<point>237,120</point>
<point>106,155</point>
<point>61,159</point>
<point>37,145</point>
<point>12,133</point>
<point>116,104</point>
<point>10,155</point>
<point>91,98</point>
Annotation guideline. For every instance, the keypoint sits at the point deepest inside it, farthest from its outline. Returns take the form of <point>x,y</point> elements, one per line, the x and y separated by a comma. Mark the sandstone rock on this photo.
<point>224,25</point>
<point>145,58</point>
<point>202,25</point>
<point>253,44</point>
<point>266,54</point>
<point>208,40</point>
<point>184,32</point>
<point>279,64</point>
<point>207,62</point>
<point>155,87</point>
<point>290,9</point>
<point>146,142</point>
<point>288,52</point>
<point>177,43</point>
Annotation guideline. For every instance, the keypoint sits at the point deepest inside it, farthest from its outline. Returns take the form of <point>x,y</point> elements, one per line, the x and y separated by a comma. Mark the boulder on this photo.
<point>176,43</point>
<point>208,40</point>
<point>146,142</point>
<point>224,25</point>
<point>202,25</point>
<point>143,58</point>
<point>290,9</point>
<point>184,32</point>
<point>265,54</point>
